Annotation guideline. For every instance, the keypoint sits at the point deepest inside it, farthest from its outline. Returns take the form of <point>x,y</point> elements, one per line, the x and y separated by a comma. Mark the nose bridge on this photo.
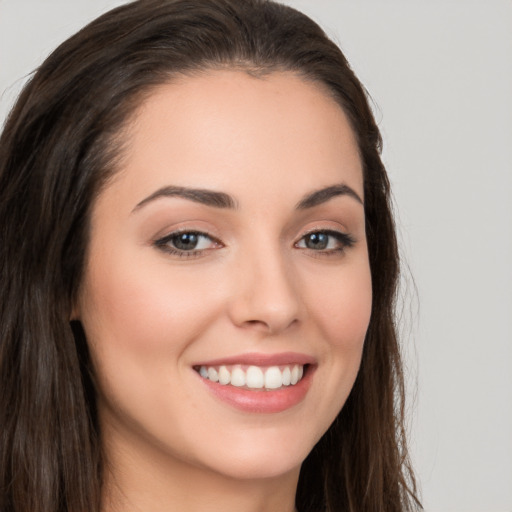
<point>265,295</point>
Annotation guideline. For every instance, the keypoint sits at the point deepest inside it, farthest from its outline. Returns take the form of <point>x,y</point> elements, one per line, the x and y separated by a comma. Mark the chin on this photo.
<point>258,468</point>
<point>260,457</point>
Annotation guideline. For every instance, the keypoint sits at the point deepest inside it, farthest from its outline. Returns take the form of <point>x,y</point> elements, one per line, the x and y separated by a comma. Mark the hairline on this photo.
<point>118,141</point>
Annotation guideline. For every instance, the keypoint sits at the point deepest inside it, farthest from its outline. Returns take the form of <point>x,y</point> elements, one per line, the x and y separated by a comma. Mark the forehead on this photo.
<point>222,127</point>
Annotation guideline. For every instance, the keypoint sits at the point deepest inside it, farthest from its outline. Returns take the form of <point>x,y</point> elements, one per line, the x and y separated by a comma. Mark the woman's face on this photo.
<point>227,258</point>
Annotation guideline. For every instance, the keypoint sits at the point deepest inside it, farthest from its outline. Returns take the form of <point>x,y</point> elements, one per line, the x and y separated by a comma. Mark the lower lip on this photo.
<point>261,400</point>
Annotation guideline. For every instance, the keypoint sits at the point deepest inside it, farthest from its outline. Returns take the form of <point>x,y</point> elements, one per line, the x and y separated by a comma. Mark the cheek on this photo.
<point>343,308</point>
<point>139,308</point>
<point>138,325</point>
<point>340,306</point>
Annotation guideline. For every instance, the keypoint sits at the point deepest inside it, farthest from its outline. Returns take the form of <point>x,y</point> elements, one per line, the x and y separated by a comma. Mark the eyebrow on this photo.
<point>223,200</point>
<point>325,194</point>
<point>198,195</point>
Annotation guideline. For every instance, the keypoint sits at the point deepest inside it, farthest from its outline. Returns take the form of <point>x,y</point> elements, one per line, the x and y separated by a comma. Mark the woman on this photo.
<point>198,272</point>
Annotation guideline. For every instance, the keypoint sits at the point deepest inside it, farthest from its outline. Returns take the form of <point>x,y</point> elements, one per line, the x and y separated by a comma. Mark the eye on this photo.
<point>187,243</point>
<point>327,241</point>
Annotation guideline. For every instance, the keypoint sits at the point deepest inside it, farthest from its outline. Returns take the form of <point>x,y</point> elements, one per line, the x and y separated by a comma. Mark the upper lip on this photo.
<point>257,359</point>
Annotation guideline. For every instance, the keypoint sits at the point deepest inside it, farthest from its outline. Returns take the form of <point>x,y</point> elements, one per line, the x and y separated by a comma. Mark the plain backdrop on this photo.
<point>440,75</point>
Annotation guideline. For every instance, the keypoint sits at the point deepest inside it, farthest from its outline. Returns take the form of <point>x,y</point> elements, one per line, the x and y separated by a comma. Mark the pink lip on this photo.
<point>256,359</point>
<point>262,401</point>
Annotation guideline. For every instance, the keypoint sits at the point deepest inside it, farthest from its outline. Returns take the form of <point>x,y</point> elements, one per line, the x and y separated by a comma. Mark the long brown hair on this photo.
<point>60,145</point>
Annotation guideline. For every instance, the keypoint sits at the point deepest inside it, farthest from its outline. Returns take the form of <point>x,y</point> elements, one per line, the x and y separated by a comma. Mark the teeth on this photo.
<point>287,376</point>
<point>213,374</point>
<point>238,377</point>
<point>254,377</point>
<point>224,375</point>
<point>294,377</point>
<point>273,378</point>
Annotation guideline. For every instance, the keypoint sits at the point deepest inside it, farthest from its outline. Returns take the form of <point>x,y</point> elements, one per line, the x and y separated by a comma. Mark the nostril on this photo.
<point>272,326</point>
<point>258,324</point>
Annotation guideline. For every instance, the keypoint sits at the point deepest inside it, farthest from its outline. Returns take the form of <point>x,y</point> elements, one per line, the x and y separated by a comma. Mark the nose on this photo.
<point>265,294</point>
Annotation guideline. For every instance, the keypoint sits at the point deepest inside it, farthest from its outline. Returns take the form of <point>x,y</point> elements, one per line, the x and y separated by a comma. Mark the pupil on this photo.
<point>317,241</point>
<point>185,241</point>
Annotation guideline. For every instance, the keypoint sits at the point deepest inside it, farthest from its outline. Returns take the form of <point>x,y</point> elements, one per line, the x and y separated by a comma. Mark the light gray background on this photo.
<point>440,73</point>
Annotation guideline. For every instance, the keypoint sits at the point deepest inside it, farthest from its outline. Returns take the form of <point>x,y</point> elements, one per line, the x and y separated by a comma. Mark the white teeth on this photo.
<point>238,377</point>
<point>287,376</point>
<point>294,377</point>
<point>254,377</point>
<point>273,378</point>
<point>224,375</point>
<point>212,374</point>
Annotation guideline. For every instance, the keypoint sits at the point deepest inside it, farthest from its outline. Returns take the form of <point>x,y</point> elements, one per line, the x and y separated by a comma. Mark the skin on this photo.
<point>255,287</point>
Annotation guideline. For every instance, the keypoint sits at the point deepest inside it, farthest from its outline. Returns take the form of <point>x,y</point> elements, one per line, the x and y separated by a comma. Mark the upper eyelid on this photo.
<point>166,239</point>
<point>175,232</point>
<point>210,235</point>
<point>323,230</point>
<point>329,230</point>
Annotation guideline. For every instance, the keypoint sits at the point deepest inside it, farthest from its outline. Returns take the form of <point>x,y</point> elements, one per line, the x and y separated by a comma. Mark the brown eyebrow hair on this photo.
<point>198,195</point>
<point>324,194</point>
<point>223,200</point>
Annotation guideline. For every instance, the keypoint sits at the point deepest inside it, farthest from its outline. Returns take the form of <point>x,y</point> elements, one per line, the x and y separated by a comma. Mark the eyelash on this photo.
<point>164,243</point>
<point>344,240</point>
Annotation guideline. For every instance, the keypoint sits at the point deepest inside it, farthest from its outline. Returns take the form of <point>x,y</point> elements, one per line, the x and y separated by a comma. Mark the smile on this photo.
<point>259,383</point>
<point>253,377</point>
